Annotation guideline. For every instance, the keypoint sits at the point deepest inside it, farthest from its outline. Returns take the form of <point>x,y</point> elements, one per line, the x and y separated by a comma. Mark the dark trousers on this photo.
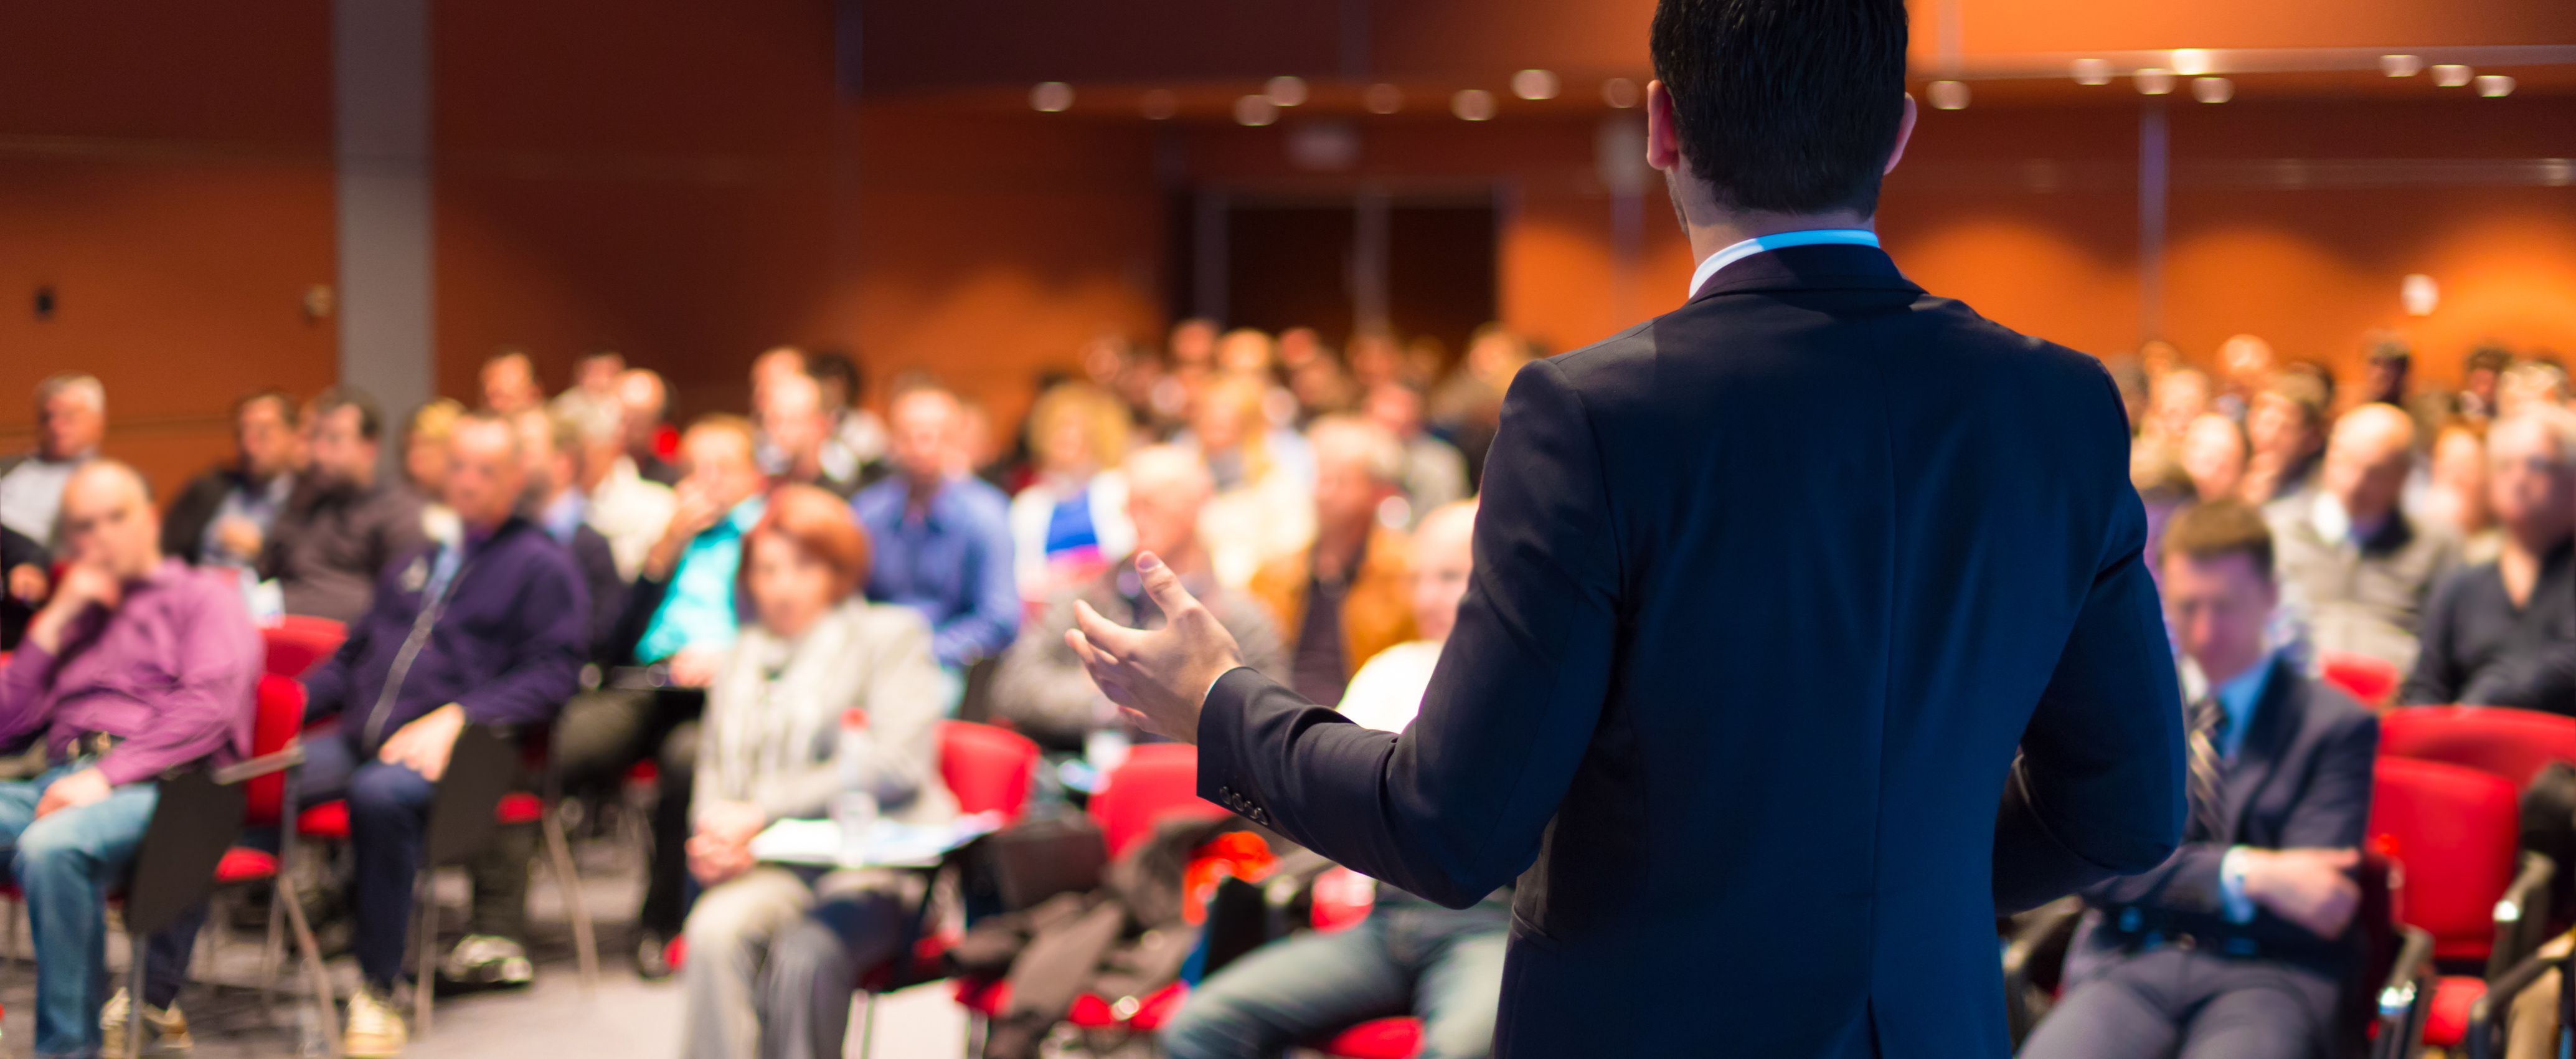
<point>598,737</point>
<point>2173,1002</point>
<point>388,825</point>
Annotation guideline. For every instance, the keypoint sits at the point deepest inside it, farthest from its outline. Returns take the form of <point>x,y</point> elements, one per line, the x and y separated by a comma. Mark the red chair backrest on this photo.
<point>280,717</point>
<point>986,768</point>
<point>2455,831</point>
<point>2372,680</point>
<point>2514,744</point>
<point>1157,780</point>
<point>298,643</point>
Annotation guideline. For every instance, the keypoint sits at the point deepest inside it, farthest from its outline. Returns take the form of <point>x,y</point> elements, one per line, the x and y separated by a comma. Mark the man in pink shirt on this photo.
<point>137,665</point>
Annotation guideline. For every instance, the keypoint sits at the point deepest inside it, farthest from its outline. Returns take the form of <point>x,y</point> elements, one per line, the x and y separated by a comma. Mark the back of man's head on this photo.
<point>1785,106</point>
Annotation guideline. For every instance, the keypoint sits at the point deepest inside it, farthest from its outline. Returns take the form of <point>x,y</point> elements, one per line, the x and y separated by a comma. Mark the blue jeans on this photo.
<point>388,822</point>
<point>64,864</point>
<point>1443,967</point>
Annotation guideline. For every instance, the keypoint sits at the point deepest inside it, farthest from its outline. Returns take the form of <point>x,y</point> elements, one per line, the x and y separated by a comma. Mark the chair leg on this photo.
<point>568,882</point>
<point>134,996</point>
<point>312,954</point>
<point>273,946</point>
<point>867,1022</point>
<point>424,907</point>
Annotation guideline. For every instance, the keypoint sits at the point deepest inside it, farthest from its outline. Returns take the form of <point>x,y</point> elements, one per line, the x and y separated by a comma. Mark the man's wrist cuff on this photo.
<point>2232,898</point>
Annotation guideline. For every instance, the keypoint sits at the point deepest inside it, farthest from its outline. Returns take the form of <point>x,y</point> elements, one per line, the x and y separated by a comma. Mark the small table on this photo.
<point>817,843</point>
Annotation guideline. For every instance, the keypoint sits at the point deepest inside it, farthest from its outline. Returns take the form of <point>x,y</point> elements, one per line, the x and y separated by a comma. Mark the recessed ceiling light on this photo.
<point>2193,62</point>
<point>2401,65</point>
<point>1534,84</point>
<point>1948,95</point>
<point>2493,85</point>
<point>1472,104</point>
<point>1255,110</point>
<point>1286,91</point>
<point>2212,89</point>
<point>2092,71</point>
<point>1051,96</point>
<point>2452,76</point>
<point>1382,98</point>
<point>2153,82</point>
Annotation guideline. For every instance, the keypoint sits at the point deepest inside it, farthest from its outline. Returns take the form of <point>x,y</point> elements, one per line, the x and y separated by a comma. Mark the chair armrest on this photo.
<point>2405,999</point>
<point>2521,914</point>
<point>2037,944</point>
<point>2487,1014</point>
<point>253,768</point>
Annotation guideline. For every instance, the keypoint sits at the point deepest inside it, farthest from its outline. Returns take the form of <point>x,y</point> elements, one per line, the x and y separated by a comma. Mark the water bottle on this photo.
<point>855,808</point>
<point>309,1042</point>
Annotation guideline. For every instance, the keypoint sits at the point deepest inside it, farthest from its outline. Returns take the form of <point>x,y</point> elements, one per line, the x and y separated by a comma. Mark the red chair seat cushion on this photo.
<point>984,997</point>
<point>520,807</point>
<point>1158,1008</point>
<point>328,820</point>
<point>1397,1038</point>
<point>242,865</point>
<point>2446,1023</point>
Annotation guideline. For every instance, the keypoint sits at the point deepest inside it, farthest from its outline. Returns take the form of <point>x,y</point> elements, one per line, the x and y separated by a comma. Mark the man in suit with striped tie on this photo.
<point>2237,945</point>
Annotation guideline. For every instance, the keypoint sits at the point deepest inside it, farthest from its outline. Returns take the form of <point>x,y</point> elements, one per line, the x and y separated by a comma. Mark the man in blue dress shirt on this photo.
<point>942,538</point>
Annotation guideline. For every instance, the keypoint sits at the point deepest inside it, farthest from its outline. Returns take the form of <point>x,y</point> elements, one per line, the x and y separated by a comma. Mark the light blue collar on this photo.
<point>1774,241</point>
<point>2239,696</point>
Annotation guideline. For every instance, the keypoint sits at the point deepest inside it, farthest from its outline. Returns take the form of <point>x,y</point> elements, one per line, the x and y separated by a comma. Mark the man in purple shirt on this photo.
<point>139,664</point>
<point>490,629</point>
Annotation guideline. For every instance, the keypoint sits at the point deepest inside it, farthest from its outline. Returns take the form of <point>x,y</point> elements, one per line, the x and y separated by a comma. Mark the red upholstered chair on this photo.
<point>1399,1038</point>
<point>298,643</point>
<point>2454,830</point>
<point>987,769</point>
<point>2514,744</point>
<point>1156,780</point>
<point>2373,681</point>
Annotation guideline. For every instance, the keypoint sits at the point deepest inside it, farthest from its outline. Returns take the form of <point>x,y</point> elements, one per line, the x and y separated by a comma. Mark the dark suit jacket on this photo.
<point>2301,778</point>
<point>598,566</point>
<point>1768,591</point>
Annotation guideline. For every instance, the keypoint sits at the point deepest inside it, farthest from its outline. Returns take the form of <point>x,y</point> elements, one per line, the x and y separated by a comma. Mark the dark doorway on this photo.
<point>1323,262</point>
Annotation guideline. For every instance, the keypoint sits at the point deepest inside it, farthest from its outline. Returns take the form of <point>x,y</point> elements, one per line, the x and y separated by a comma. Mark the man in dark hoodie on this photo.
<point>489,629</point>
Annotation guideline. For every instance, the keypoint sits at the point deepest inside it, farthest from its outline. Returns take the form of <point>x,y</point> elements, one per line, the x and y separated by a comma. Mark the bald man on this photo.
<point>2352,566</point>
<point>488,629</point>
<point>1041,687</point>
<point>139,664</point>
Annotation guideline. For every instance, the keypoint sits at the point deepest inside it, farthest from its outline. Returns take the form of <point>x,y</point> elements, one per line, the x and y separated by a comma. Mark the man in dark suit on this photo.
<point>2236,945</point>
<point>1759,760</point>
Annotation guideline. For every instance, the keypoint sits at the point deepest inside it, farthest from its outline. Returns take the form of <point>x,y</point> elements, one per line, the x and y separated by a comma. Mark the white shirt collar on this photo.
<point>1774,241</point>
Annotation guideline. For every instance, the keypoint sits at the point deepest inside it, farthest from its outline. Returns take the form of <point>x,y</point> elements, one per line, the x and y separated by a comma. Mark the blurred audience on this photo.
<point>2213,453</point>
<point>341,525</point>
<point>71,421</point>
<point>625,508</point>
<point>797,426</point>
<point>425,459</point>
<point>594,384</point>
<point>2286,426</point>
<point>486,629</point>
<point>510,384</point>
<point>2385,372</point>
<point>2479,375</point>
<point>1041,688</point>
<point>1262,508</point>
<point>1342,599</point>
<point>775,951</point>
<point>643,400</point>
<point>941,539</point>
<point>2503,632</point>
<point>25,578</point>
<point>1072,519</point>
<point>1440,965</point>
<point>854,446</point>
<point>1434,472</point>
<point>556,504</point>
<point>2237,944</point>
<point>2455,492</point>
<point>221,518</point>
<point>2354,568</point>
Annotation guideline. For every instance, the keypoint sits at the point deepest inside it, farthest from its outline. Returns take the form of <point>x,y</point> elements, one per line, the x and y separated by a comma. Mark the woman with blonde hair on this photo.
<point>1263,508</point>
<point>774,951</point>
<point>1072,521</point>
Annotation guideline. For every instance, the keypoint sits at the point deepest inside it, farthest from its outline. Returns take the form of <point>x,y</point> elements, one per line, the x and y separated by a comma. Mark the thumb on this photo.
<point>2344,858</point>
<point>1164,585</point>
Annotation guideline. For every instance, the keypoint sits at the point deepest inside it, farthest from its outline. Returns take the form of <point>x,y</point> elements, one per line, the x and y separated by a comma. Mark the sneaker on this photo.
<point>487,960</point>
<point>164,1032</point>
<point>375,1030</point>
<point>652,956</point>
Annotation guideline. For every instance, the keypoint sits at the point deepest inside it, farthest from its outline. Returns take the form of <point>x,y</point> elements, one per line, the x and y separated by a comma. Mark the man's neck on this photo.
<point>919,490</point>
<point>2239,666</point>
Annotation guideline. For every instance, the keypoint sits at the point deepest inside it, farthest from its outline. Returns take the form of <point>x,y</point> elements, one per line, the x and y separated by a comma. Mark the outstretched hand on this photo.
<point>1161,678</point>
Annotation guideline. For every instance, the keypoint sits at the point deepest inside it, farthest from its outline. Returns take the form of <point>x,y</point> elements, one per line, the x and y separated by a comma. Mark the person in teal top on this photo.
<point>697,611</point>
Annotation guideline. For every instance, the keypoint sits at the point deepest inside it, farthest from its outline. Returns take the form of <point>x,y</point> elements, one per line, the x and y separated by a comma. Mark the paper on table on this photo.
<point>890,844</point>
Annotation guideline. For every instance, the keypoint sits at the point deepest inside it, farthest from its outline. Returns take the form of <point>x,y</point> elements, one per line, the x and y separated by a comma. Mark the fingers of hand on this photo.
<point>1106,636</point>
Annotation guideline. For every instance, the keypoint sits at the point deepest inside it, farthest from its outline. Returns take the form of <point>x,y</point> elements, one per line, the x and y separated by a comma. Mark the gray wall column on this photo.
<point>380,94</point>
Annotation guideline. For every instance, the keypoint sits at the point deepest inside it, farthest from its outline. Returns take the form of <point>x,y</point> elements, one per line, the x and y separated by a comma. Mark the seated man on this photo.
<point>1341,600</point>
<point>2503,633</point>
<point>71,420</point>
<point>2354,567</point>
<point>1409,956</point>
<point>794,421</point>
<point>489,629</point>
<point>222,517</point>
<point>555,502</point>
<point>137,665</point>
<point>942,540</point>
<point>1042,688</point>
<point>680,619</point>
<point>2235,946</point>
<point>343,523</point>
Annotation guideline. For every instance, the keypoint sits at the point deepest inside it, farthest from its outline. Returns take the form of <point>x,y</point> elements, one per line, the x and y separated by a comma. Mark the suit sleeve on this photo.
<point>2098,789</point>
<point>1455,806</point>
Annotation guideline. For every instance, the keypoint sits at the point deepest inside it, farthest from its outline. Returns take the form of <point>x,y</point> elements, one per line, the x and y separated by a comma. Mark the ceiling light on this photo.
<point>2452,76</point>
<point>2192,62</point>
<point>2092,71</point>
<point>2419,294</point>
<point>1051,96</point>
<point>2212,89</point>
<point>1619,92</point>
<point>1534,84</point>
<point>1948,95</point>
<point>1159,103</point>
<point>1472,104</point>
<point>1286,91</point>
<point>2401,65</point>
<point>2153,82</point>
<point>1382,98</point>
<point>2493,85</point>
<point>1255,110</point>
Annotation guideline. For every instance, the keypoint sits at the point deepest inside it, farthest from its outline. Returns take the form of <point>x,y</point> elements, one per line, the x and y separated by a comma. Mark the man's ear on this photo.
<point>1904,132</point>
<point>1663,140</point>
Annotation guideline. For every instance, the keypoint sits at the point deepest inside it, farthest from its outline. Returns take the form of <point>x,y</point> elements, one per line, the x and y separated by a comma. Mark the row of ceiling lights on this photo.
<point>2195,63</point>
<point>1263,107</point>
